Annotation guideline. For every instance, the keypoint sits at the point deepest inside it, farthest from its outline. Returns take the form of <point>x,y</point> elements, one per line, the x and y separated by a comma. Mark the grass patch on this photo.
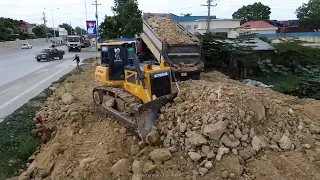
<point>284,84</point>
<point>17,142</point>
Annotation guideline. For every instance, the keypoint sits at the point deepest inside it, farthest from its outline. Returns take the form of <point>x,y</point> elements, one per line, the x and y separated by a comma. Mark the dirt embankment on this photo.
<point>215,129</point>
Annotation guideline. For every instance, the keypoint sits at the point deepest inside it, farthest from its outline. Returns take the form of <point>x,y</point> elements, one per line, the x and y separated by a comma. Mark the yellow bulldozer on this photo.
<point>132,91</point>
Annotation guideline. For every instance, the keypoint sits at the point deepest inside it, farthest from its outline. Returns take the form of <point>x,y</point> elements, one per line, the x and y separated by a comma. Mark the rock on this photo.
<point>256,143</point>
<point>203,171</point>
<point>237,133</point>
<point>183,127</point>
<point>285,143</point>
<point>45,173</point>
<point>134,150</point>
<point>225,174</point>
<point>306,146</point>
<point>149,168</point>
<point>232,164</point>
<point>208,165</point>
<point>291,112</point>
<point>314,129</point>
<point>221,152</point>
<point>137,177</point>
<point>242,113</point>
<point>194,156</point>
<point>67,98</point>
<point>252,132</point>
<point>161,155</point>
<point>31,158</point>
<point>275,148</point>
<point>232,176</point>
<point>137,167</point>
<point>214,131</point>
<point>73,113</point>
<point>172,149</point>
<point>235,151</point>
<point>153,137</point>
<point>229,143</point>
<point>205,149</point>
<point>178,100</point>
<point>24,176</point>
<point>211,154</point>
<point>196,139</point>
<point>123,130</point>
<point>121,167</point>
<point>81,131</point>
<point>244,154</point>
<point>31,168</point>
<point>85,161</point>
<point>244,137</point>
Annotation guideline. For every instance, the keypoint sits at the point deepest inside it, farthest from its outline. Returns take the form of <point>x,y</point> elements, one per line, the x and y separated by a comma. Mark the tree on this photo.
<point>39,31</point>
<point>309,15</point>
<point>109,28</point>
<point>253,12</point>
<point>128,17</point>
<point>67,27</point>
<point>80,31</point>
<point>9,29</point>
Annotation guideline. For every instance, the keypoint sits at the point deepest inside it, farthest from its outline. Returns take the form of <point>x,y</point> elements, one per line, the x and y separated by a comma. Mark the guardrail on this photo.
<point>18,43</point>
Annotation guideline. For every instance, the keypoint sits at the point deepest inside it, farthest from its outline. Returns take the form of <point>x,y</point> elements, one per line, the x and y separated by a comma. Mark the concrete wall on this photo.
<point>192,27</point>
<point>228,26</point>
<point>18,43</point>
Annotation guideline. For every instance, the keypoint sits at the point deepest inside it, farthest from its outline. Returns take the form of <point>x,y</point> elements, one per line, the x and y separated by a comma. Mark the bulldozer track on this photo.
<point>131,103</point>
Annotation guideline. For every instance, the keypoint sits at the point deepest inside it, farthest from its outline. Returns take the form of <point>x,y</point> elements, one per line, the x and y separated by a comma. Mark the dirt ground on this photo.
<point>87,144</point>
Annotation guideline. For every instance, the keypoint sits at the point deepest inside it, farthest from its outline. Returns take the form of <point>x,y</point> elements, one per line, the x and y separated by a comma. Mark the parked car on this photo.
<point>49,54</point>
<point>26,46</point>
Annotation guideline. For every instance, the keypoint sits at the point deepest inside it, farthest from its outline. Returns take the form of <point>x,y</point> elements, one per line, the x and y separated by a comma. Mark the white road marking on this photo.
<point>29,89</point>
<point>41,71</point>
<point>6,90</point>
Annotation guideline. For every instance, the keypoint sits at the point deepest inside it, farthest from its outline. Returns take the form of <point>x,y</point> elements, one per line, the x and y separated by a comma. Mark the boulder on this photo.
<point>161,155</point>
<point>121,167</point>
<point>194,156</point>
<point>214,131</point>
<point>196,139</point>
<point>67,98</point>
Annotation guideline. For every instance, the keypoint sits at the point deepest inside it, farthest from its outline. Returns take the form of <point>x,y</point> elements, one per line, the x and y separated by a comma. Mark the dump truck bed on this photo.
<point>177,45</point>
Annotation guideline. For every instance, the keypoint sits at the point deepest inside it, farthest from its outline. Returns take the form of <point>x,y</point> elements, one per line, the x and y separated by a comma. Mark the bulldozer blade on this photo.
<point>147,114</point>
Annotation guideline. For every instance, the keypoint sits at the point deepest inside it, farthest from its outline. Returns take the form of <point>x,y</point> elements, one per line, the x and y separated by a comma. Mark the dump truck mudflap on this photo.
<point>147,114</point>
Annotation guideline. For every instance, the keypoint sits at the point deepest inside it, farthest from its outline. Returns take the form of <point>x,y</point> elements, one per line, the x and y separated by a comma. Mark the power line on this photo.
<point>209,5</point>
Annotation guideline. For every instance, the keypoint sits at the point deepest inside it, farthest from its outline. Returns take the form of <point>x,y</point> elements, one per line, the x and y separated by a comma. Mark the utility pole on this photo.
<point>71,29</point>
<point>54,31</point>
<point>209,5</point>
<point>45,26</point>
<point>85,7</point>
<point>97,25</point>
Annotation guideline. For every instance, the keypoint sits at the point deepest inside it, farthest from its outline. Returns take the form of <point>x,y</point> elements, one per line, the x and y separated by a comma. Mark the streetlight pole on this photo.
<point>54,31</point>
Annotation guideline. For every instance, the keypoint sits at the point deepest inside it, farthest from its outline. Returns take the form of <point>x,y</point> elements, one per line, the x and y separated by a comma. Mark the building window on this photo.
<point>188,26</point>
<point>222,34</point>
<point>195,26</point>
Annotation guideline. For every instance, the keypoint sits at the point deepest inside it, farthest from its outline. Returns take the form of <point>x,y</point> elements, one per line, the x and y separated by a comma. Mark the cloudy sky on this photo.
<point>73,11</point>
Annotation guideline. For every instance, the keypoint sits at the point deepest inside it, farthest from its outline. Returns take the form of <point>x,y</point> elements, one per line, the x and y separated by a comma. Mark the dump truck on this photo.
<point>168,41</point>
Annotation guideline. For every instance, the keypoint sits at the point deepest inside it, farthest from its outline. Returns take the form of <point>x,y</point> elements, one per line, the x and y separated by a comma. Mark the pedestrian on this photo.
<point>77,59</point>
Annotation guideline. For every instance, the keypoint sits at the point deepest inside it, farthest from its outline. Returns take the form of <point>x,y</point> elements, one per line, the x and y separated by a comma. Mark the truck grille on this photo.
<point>160,86</point>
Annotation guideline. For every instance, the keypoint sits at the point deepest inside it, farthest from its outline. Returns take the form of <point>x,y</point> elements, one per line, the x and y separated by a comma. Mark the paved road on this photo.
<point>22,77</point>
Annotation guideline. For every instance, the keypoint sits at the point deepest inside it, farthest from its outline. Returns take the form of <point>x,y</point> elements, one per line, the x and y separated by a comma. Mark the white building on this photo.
<point>223,27</point>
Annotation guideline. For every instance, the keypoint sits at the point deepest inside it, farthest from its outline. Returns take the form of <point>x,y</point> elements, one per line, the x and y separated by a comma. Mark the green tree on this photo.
<point>253,12</point>
<point>80,31</point>
<point>39,31</point>
<point>309,15</point>
<point>9,29</point>
<point>68,28</point>
<point>109,28</point>
<point>128,17</point>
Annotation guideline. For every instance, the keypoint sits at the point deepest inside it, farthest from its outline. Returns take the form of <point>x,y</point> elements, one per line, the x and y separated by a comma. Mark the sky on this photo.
<point>74,11</point>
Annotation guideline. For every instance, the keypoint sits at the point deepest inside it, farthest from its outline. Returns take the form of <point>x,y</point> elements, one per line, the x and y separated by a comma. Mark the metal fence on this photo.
<point>18,43</point>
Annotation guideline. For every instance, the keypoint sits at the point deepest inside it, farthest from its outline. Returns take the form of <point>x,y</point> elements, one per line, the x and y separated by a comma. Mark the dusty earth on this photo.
<point>169,31</point>
<point>216,128</point>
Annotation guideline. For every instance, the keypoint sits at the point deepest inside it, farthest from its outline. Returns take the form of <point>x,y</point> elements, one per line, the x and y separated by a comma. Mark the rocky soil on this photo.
<point>216,128</point>
<point>169,31</point>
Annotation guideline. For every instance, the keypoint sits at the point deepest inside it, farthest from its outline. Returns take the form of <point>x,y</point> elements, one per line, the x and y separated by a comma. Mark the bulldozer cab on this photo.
<point>116,55</point>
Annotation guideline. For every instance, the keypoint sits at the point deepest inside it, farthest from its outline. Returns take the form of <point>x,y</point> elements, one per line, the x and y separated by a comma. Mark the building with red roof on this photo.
<point>259,27</point>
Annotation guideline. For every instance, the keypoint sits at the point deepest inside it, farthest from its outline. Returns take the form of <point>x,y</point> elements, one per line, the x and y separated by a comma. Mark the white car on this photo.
<point>26,46</point>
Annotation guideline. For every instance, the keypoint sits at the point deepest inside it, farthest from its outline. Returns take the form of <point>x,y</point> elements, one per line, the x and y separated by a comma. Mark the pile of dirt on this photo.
<point>170,32</point>
<point>210,120</point>
<point>214,129</point>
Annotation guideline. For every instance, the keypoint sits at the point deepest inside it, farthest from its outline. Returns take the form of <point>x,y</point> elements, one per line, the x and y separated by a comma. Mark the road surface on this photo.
<point>22,77</point>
